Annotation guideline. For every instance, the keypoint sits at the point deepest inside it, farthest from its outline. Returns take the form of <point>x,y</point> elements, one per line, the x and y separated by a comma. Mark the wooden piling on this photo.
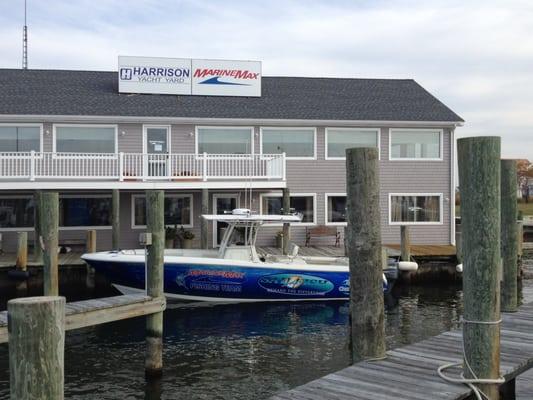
<point>90,247</point>
<point>363,242</point>
<point>509,236</point>
<point>49,233</point>
<point>115,218</point>
<point>479,180</point>
<point>286,227</point>
<point>155,225</point>
<point>405,243</point>
<point>37,249</point>
<point>204,225</point>
<point>22,251</point>
<point>36,347</point>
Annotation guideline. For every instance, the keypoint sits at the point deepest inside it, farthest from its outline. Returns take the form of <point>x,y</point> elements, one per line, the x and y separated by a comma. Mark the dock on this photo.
<point>71,259</point>
<point>410,372</point>
<point>80,314</point>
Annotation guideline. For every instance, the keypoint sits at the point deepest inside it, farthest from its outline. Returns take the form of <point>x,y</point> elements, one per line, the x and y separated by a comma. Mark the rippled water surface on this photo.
<point>240,351</point>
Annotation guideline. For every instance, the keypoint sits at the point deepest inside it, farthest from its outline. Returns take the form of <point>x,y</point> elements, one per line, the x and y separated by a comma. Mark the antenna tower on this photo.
<point>25,41</point>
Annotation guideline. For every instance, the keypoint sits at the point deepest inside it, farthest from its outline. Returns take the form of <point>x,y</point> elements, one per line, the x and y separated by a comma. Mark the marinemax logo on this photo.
<point>295,284</point>
<point>216,74</point>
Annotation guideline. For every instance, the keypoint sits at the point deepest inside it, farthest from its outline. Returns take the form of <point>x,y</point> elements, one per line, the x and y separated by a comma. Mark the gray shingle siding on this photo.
<point>95,93</point>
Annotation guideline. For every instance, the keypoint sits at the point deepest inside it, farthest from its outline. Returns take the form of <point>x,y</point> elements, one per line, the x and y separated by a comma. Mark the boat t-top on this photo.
<point>235,272</point>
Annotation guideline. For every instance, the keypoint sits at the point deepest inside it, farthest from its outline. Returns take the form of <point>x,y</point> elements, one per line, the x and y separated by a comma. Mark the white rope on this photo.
<point>470,381</point>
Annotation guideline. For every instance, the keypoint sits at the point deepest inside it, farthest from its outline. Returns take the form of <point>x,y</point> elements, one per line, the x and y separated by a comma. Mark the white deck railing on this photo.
<point>137,166</point>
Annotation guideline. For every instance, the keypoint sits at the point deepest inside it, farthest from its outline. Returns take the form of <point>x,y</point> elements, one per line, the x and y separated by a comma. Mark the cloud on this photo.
<point>475,56</point>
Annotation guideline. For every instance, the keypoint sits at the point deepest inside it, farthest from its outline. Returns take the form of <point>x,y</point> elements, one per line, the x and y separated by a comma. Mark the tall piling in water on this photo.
<point>155,226</point>
<point>115,219</point>
<point>479,183</point>
<point>509,236</point>
<point>49,217</point>
<point>36,347</point>
<point>37,248</point>
<point>363,245</point>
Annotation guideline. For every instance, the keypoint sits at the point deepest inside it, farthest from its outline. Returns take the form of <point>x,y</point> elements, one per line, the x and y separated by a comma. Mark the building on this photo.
<point>72,131</point>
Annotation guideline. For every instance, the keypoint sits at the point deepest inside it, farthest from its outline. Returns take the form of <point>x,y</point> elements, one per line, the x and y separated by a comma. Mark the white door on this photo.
<point>222,203</point>
<point>156,145</point>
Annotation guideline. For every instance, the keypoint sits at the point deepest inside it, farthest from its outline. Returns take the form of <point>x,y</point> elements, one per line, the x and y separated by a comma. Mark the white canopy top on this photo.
<point>252,218</point>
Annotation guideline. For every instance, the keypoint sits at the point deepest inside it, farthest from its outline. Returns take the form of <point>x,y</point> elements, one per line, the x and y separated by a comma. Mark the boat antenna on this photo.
<point>25,40</point>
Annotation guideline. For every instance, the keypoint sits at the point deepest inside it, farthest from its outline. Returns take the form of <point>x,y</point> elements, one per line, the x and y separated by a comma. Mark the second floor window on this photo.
<point>20,138</point>
<point>416,144</point>
<point>340,139</point>
<point>85,139</point>
<point>224,140</point>
<point>295,143</point>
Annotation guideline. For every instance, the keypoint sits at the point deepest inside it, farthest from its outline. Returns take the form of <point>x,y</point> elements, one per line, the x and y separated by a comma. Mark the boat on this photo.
<point>235,272</point>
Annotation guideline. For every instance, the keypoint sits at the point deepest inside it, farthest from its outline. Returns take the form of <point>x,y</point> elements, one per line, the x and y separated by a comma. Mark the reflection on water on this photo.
<point>240,351</point>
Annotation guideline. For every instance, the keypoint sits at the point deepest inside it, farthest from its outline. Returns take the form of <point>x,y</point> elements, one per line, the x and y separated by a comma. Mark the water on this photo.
<point>239,351</point>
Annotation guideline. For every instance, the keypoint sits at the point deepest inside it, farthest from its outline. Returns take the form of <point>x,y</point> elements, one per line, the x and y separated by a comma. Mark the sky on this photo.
<point>476,56</point>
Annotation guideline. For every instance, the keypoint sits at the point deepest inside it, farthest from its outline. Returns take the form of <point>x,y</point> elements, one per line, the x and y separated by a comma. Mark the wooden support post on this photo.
<point>37,249</point>
<point>479,179</point>
<point>459,246</point>
<point>49,233</point>
<point>509,236</point>
<point>90,247</point>
<point>204,225</point>
<point>520,237</point>
<point>363,242</point>
<point>36,347</point>
<point>155,225</point>
<point>22,251</point>
<point>405,243</point>
<point>286,227</point>
<point>115,218</point>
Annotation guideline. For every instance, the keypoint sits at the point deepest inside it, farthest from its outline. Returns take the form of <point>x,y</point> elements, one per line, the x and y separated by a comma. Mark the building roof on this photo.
<point>95,93</point>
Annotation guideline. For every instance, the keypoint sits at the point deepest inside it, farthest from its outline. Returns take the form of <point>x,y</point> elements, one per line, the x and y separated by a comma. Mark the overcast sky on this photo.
<point>475,56</point>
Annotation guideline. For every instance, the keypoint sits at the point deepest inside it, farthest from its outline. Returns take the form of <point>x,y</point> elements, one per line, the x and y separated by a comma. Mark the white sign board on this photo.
<point>189,77</point>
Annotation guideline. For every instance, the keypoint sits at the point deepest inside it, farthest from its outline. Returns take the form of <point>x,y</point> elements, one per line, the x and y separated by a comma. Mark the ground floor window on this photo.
<point>16,212</point>
<point>301,203</point>
<point>78,211</point>
<point>415,208</point>
<point>336,209</point>
<point>178,211</point>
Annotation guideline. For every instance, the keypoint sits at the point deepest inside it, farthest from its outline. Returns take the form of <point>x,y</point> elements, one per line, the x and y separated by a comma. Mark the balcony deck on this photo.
<point>47,170</point>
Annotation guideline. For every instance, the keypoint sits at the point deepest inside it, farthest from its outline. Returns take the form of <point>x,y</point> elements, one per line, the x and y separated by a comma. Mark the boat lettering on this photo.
<point>295,284</point>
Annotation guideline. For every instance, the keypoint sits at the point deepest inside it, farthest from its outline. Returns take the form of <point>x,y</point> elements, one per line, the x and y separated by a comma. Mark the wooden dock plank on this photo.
<point>410,372</point>
<point>85,313</point>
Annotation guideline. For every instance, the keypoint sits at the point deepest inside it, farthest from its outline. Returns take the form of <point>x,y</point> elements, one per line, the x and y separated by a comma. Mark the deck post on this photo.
<point>509,236</point>
<point>363,244</point>
<point>204,225</point>
<point>405,243</point>
<point>36,347</point>
<point>37,249</point>
<point>22,251</point>
<point>115,218</point>
<point>479,177</point>
<point>155,225</point>
<point>49,234</point>
<point>90,247</point>
<point>286,226</point>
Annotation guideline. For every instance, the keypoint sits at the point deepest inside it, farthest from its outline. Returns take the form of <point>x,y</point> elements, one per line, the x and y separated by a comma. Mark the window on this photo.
<point>301,203</point>
<point>16,212</point>
<point>340,139</point>
<point>84,211</point>
<point>20,138</point>
<point>415,144</point>
<point>85,139</point>
<point>225,140</point>
<point>294,142</point>
<point>178,211</point>
<point>415,209</point>
<point>335,209</point>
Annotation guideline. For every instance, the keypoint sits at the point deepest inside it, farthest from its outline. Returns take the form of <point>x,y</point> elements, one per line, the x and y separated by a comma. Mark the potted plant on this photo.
<point>186,238</point>
<point>170,236</point>
<point>279,239</point>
